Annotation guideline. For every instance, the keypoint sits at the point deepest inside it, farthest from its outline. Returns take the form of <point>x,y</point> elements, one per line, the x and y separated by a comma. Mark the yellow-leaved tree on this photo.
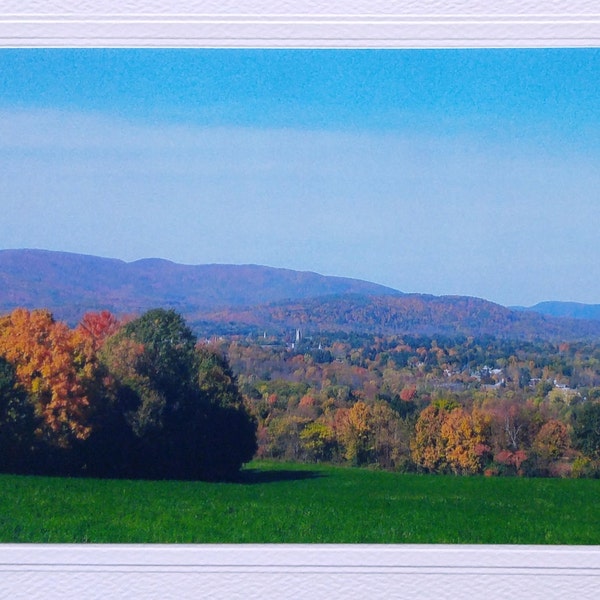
<point>465,441</point>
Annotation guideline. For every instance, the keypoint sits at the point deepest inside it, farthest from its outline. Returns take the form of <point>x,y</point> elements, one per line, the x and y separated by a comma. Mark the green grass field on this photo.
<point>285,503</point>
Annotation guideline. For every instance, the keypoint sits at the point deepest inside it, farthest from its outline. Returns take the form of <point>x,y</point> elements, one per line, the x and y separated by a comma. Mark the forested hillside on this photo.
<point>415,314</point>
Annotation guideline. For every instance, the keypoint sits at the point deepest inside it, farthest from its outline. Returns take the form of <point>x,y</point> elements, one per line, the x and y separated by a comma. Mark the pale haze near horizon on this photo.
<point>450,172</point>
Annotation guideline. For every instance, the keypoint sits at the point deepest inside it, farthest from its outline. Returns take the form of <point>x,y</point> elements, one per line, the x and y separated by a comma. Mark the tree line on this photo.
<point>145,398</point>
<point>118,399</point>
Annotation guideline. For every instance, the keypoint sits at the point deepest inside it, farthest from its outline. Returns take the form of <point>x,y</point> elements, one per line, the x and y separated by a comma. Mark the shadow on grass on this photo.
<point>254,476</point>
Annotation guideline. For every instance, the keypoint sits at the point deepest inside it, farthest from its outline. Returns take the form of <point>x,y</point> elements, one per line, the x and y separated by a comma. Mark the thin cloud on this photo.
<point>424,213</point>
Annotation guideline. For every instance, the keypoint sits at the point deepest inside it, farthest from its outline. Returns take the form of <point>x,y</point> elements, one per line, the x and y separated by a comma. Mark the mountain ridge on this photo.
<point>70,283</point>
<point>218,297</point>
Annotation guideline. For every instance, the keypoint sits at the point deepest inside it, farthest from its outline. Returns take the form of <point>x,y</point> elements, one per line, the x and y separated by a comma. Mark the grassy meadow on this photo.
<point>288,503</point>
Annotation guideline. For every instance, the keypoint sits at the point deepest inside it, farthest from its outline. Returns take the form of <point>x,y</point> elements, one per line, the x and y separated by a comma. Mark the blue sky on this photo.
<point>472,172</point>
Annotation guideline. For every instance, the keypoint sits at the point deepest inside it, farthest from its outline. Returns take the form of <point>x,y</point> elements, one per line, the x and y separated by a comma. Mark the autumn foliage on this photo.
<point>145,399</point>
<point>52,365</point>
<point>458,406</point>
<point>117,400</point>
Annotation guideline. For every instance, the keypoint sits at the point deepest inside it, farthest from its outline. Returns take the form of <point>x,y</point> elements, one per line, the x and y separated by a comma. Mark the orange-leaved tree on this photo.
<point>42,352</point>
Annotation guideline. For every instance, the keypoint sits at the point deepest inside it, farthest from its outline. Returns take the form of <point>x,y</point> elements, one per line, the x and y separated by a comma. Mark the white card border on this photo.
<point>299,571</point>
<point>299,24</point>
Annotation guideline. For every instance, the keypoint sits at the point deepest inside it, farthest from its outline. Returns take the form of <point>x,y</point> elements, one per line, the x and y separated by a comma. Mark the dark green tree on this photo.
<point>168,359</point>
<point>586,429</point>
<point>175,411</point>
<point>230,438</point>
<point>17,424</point>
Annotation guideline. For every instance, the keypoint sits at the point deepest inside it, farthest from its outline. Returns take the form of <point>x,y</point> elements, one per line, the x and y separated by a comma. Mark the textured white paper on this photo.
<point>298,571</point>
<point>305,23</point>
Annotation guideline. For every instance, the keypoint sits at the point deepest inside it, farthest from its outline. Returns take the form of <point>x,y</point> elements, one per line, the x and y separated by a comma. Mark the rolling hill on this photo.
<point>237,298</point>
<point>407,314</point>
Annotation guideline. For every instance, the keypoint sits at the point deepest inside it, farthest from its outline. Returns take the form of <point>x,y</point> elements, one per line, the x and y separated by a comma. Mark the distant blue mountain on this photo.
<point>572,310</point>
